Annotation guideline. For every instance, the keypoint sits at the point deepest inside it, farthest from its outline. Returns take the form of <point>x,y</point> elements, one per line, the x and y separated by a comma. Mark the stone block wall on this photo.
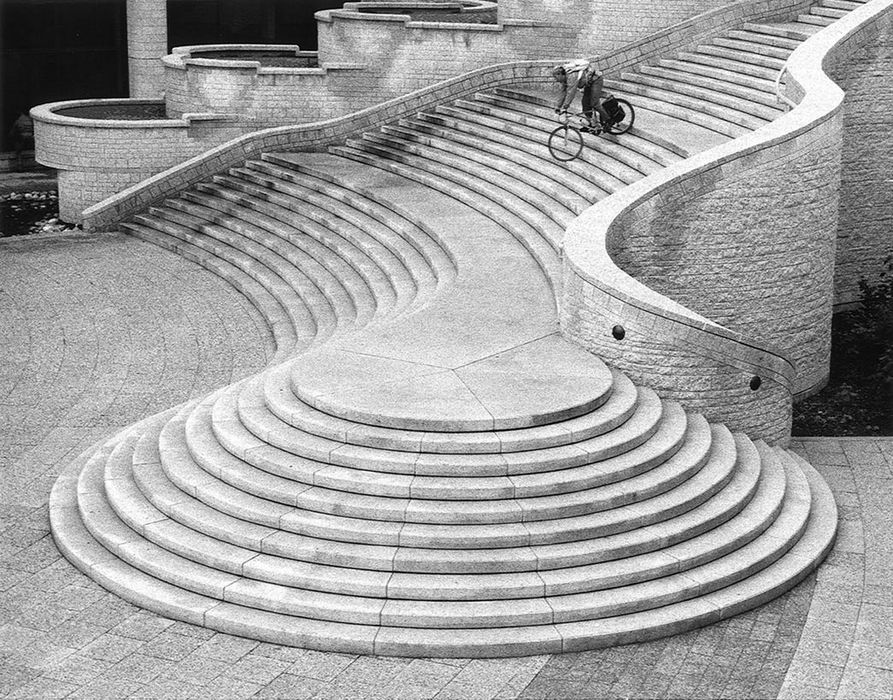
<point>146,44</point>
<point>95,158</point>
<point>865,225</point>
<point>741,281</point>
<point>754,253</point>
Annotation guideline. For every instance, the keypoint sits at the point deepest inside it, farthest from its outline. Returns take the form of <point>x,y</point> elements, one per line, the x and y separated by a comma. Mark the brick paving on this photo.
<point>102,330</point>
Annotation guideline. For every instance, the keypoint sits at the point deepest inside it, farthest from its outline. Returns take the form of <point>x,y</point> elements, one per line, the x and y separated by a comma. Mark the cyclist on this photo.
<point>582,75</point>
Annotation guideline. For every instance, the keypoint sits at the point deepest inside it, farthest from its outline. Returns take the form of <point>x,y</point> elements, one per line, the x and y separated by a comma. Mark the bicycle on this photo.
<point>566,141</point>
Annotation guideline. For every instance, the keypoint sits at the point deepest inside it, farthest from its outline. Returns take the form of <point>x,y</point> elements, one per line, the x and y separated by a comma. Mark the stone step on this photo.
<point>370,293</point>
<point>323,173</point>
<point>328,301</point>
<point>846,5</point>
<point>530,473</point>
<point>816,19</point>
<point>82,548</point>
<point>300,316</point>
<point>281,401</point>
<point>286,336</point>
<point>628,165</point>
<point>332,235</point>
<point>510,162</point>
<point>742,46</point>
<point>717,72</point>
<point>704,89</point>
<point>732,67</point>
<point>763,94</point>
<point>379,242</point>
<point>651,143</point>
<point>830,12</point>
<point>599,180</point>
<point>543,250</point>
<point>742,56</point>
<point>506,194</point>
<point>397,231</point>
<point>735,113</point>
<point>666,104</point>
<point>531,154</point>
<point>545,210</point>
<point>773,39</point>
<point>782,30</point>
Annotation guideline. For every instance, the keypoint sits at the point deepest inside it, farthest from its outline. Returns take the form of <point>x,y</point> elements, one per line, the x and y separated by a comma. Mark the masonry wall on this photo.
<point>96,158</point>
<point>755,254</point>
<point>865,227</point>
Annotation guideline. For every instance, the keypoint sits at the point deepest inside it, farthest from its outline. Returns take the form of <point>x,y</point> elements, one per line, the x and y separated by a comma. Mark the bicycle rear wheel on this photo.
<point>625,124</point>
<point>565,143</point>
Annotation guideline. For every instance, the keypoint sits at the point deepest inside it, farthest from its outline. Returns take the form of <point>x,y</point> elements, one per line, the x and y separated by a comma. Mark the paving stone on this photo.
<point>288,685</point>
<point>111,647</point>
<point>225,647</point>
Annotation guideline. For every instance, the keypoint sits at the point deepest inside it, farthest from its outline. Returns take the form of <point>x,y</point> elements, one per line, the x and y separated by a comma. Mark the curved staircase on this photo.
<point>429,468</point>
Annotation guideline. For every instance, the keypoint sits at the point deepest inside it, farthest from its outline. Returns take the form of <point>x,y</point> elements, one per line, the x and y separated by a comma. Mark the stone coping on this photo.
<point>49,113</point>
<point>351,11</point>
<point>181,57</point>
<point>588,237</point>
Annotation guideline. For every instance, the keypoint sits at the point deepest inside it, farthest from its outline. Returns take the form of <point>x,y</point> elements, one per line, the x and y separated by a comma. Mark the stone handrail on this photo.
<point>590,269</point>
<point>319,135</point>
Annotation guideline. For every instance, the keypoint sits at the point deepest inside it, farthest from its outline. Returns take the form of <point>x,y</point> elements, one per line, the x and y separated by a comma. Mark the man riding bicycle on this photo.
<point>582,75</point>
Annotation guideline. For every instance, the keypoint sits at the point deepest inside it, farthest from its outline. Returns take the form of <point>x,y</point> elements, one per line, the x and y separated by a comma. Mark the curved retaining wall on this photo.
<point>96,158</point>
<point>743,235</point>
<point>254,93</point>
<point>319,135</point>
<point>865,226</point>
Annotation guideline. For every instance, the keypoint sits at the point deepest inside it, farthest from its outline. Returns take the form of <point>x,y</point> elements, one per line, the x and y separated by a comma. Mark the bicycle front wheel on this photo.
<point>625,124</point>
<point>565,143</point>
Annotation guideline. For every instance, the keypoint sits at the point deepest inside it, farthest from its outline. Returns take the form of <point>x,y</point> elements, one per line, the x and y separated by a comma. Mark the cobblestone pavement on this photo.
<point>102,330</point>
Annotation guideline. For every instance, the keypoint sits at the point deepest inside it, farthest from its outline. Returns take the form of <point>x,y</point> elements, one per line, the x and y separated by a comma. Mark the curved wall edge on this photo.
<point>667,335</point>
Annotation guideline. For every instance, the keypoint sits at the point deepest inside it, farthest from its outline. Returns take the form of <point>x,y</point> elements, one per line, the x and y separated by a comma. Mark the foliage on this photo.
<point>859,397</point>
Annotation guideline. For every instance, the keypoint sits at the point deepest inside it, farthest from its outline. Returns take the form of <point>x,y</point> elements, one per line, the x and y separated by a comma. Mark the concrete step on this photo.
<point>510,161</point>
<point>598,182</point>
<point>547,211</point>
<point>335,238</point>
<point>281,400</point>
<point>769,39</point>
<point>666,104</point>
<point>506,194</point>
<point>846,5</point>
<point>396,231</point>
<point>735,113</point>
<point>753,46</point>
<point>402,262</point>
<point>627,164</point>
<point>651,143</point>
<point>286,336</point>
<point>416,230</point>
<point>369,294</point>
<point>543,250</point>
<point>741,56</point>
<point>724,95</point>
<point>300,316</point>
<point>719,70</point>
<point>758,92</point>
<point>816,19</point>
<point>782,30</point>
<point>830,12</point>
<point>331,305</point>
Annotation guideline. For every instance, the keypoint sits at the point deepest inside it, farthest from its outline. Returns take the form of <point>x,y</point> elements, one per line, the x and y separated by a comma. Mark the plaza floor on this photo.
<point>100,330</point>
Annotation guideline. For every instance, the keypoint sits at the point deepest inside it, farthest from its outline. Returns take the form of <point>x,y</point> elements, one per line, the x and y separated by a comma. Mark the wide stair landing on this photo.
<point>438,472</point>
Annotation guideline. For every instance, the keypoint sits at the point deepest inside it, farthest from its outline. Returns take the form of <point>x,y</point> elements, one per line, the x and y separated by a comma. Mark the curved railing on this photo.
<point>748,384</point>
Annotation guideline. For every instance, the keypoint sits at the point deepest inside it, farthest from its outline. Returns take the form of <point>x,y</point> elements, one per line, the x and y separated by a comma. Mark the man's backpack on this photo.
<point>614,110</point>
